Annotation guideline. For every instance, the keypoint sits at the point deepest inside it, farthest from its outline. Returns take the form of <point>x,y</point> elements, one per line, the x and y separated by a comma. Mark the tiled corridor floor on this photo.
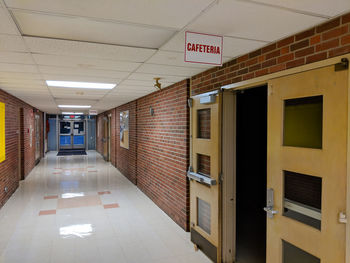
<point>81,209</point>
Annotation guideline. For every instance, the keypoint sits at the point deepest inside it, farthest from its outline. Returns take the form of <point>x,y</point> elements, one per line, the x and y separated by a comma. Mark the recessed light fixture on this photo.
<point>72,113</point>
<point>75,106</point>
<point>79,85</point>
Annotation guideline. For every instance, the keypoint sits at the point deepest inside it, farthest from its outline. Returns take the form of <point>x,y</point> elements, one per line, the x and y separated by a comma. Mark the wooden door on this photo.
<point>105,138</point>
<point>307,146</point>
<point>205,212</point>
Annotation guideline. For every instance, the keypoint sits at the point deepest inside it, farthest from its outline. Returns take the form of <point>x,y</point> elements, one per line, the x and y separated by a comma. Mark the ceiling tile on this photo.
<point>16,57</point>
<point>20,76</point>
<point>164,13</point>
<point>27,86</point>
<point>7,26</point>
<point>236,47</point>
<point>18,68</point>
<point>84,49</point>
<point>82,72</point>
<point>68,77</point>
<point>322,7</point>
<point>75,102</point>
<point>12,43</point>
<point>84,63</point>
<point>150,76</point>
<point>248,20</point>
<point>168,70</point>
<point>145,83</point>
<point>82,29</point>
<point>174,59</point>
<point>19,82</point>
<point>78,92</point>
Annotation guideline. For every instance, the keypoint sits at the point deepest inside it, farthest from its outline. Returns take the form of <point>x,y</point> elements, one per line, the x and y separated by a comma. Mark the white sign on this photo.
<point>203,48</point>
<point>92,112</point>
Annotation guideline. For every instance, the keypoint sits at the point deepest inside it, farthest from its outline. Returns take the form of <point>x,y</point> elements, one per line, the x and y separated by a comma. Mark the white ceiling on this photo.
<point>129,42</point>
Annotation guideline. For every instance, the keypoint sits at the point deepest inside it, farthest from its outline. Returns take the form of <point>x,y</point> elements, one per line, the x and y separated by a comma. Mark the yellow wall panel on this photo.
<point>2,132</point>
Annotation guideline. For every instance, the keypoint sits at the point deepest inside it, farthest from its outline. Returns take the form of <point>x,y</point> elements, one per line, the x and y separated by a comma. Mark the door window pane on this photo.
<point>203,215</point>
<point>203,164</point>
<point>65,127</point>
<point>203,123</point>
<point>303,122</point>
<point>302,198</point>
<point>292,254</point>
<point>78,127</point>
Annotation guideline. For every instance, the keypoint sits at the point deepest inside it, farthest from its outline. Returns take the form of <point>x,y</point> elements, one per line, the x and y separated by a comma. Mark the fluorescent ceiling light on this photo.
<point>75,106</point>
<point>72,113</point>
<point>79,85</point>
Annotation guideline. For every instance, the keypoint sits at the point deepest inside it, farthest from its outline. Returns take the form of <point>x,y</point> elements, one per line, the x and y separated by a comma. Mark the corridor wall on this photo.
<point>158,154</point>
<point>9,168</point>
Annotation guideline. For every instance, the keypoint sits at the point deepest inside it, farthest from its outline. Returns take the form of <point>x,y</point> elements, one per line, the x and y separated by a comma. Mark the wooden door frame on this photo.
<point>109,135</point>
<point>263,80</point>
<point>228,175</point>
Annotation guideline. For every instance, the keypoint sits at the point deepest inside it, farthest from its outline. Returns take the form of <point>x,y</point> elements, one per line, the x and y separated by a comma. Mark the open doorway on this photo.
<point>251,176</point>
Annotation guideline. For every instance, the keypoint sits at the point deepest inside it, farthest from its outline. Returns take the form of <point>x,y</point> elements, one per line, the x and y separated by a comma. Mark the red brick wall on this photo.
<point>126,158</point>
<point>319,43</point>
<point>158,154</point>
<point>9,169</point>
<point>163,150</point>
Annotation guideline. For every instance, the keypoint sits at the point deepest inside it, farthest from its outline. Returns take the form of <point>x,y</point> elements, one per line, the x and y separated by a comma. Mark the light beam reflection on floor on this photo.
<point>81,230</point>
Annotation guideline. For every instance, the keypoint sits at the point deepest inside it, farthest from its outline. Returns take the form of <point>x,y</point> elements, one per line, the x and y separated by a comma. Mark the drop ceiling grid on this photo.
<point>88,61</point>
<point>83,62</point>
<point>82,29</point>
<point>148,13</point>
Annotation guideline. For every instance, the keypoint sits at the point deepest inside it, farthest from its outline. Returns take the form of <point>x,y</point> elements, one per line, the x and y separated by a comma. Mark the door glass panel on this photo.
<point>65,127</point>
<point>65,140</point>
<point>203,215</point>
<point>203,163</point>
<point>78,139</point>
<point>78,128</point>
<point>303,122</point>
<point>302,198</point>
<point>292,254</point>
<point>203,123</point>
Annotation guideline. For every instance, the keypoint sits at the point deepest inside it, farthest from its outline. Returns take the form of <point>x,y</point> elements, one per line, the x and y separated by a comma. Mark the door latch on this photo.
<point>342,218</point>
<point>270,203</point>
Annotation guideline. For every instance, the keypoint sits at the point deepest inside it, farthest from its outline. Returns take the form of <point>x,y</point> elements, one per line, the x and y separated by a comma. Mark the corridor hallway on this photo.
<point>82,209</point>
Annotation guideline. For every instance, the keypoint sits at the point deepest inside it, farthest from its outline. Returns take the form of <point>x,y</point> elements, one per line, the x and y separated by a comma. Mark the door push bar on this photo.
<point>200,178</point>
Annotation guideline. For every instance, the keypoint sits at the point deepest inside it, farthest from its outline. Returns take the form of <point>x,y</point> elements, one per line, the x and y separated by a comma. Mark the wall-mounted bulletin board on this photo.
<point>2,133</point>
<point>124,129</point>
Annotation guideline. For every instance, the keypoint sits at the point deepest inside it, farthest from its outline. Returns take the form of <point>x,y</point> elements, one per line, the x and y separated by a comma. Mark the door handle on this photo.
<point>270,202</point>
<point>270,212</point>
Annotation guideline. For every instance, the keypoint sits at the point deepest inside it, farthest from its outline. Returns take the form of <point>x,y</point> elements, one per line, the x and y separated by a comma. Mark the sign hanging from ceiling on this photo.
<point>203,48</point>
<point>92,112</point>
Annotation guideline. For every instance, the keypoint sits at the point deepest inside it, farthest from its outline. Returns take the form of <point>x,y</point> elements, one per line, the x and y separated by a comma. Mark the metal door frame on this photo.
<point>71,134</point>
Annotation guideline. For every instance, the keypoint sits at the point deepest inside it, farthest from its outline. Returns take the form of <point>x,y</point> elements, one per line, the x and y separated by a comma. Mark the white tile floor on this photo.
<point>135,232</point>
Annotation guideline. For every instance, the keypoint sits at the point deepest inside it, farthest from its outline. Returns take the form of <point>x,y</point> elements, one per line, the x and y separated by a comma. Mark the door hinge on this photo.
<point>190,102</point>
<point>343,65</point>
<point>221,177</point>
